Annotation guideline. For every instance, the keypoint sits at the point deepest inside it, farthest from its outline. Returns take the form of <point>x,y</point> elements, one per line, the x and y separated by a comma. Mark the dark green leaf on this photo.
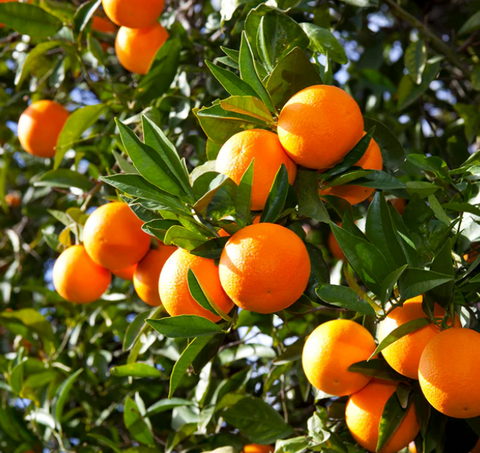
<point>64,179</point>
<point>409,92</point>
<point>344,297</point>
<point>377,368</point>
<point>84,15</point>
<point>211,249</point>
<point>244,196</point>
<point>309,202</point>
<point>472,24</point>
<point>185,326</point>
<point>233,84</point>
<point>136,424</point>
<point>415,282</point>
<point>416,60</point>
<point>392,416</point>
<point>277,197</point>
<point>62,395</point>
<point>324,42</point>
<point>167,404</point>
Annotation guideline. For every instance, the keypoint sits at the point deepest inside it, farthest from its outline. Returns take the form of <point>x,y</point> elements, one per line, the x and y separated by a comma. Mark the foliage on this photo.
<point>116,376</point>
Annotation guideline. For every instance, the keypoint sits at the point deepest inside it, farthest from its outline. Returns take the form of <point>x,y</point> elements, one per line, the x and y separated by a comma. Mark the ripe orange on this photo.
<point>476,449</point>
<point>264,268</point>
<point>449,370</point>
<point>133,14</point>
<point>319,125</point>
<point>77,278</point>
<point>256,448</point>
<point>329,351</point>
<point>364,411</point>
<point>173,285</point>
<point>147,274</point>
<point>136,47</point>
<point>399,204</point>
<point>113,236</point>
<point>103,25</point>
<point>371,160</point>
<point>126,273</point>
<point>39,127</point>
<point>404,355</point>
<point>472,253</point>
<point>238,152</point>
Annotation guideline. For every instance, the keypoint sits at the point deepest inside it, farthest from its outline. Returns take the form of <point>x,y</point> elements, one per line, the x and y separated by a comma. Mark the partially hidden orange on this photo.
<point>404,354</point>
<point>103,25</point>
<point>125,273</point>
<point>237,153</point>
<point>330,350</point>
<point>147,274</point>
<point>114,238</point>
<point>174,291</point>
<point>136,47</point>
<point>77,278</point>
<point>364,411</point>
<point>133,14</point>
<point>264,268</point>
<point>257,448</point>
<point>448,372</point>
<point>371,160</point>
<point>39,127</point>
<point>319,125</point>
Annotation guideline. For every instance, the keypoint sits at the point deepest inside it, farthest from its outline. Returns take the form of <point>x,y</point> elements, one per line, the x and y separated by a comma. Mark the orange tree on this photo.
<point>293,193</point>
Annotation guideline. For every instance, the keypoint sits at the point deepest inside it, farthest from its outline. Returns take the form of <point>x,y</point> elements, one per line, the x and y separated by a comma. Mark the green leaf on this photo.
<point>136,186</point>
<point>438,210</point>
<point>380,231</point>
<point>362,3</point>
<point>161,74</point>
<point>277,197</point>
<point>64,179</point>
<point>309,202</point>
<point>139,326</point>
<point>77,123</point>
<point>211,249</point>
<point>416,60</point>
<point>247,105</point>
<point>199,293</point>
<point>293,445</point>
<point>375,179</point>
<point>415,282</point>
<point>249,73</point>
<point>167,404</point>
<point>244,196</point>
<point>185,326</point>
<point>123,163</point>
<point>462,207</point>
<point>344,297</point>
<point>257,420</point>
<point>29,19</point>
<point>184,238</point>
<point>280,34</point>
<point>106,441</point>
<point>377,368</point>
<point>139,370</point>
<point>320,272</point>
<point>392,416</point>
<point>429,163</point>
<point>367,261</point>
<point>470,115</point>
<point>233,84</point>
<point>401,331</point>
<point>422,188</point>
<point>409,92</point>
<point>156,139</point>
<point>62,395</point>
<point>31,319</point>
<point>293,73</point>
<point>390,281</point>
<point>188,355</point>
<point>84,15</point>
<point>150,163</point>
<point>138,426</point>
<point>392,150</point>
<point>324,42</point>
<point>472,24</point>
<point>32,58</point>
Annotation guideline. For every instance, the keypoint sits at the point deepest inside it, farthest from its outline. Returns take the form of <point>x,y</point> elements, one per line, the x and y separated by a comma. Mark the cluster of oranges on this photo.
<point>440,360</point>
<point>140,35</point>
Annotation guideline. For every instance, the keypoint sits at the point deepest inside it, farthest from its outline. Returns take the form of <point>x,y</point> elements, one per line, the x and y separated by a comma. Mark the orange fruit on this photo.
<point>448,372</point>
<point>412,448</point>
<point>103,25</point>
<point>404,355</point>
<point>136,47</point>
<point>13,199</point>
<point>114,238</point>
<point>476,449</point>
<point>133,14</point>
<point>364,411</point>
<point>257,448</point>
<point>125,273</point>
<point>334,248</point>
<point>319,125</point>
<point>39,127</point>
<point>173,285</point>
<point>399,204</point>
<point>330,350</point>
<point>371,160</point>
<point>147,274</point>
<point>472,253</point>
<point>238,152</point>
<point>264,268</point>
<point>77,278</point>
